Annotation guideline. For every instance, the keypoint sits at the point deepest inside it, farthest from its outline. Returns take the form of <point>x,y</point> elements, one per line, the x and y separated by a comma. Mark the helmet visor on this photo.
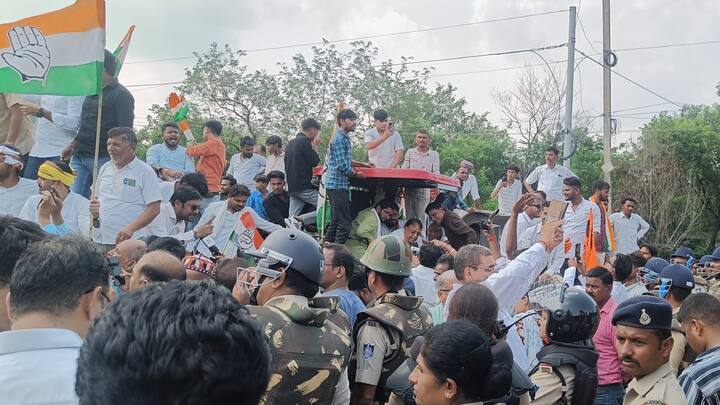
<point>270,266</point>
<point>546,295</point>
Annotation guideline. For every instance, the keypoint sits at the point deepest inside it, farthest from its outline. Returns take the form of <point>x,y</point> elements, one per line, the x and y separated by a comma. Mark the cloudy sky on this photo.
<point>684,74</point>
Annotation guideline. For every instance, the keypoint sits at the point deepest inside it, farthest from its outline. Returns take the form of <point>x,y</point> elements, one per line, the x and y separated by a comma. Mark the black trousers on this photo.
<point>340,216</point>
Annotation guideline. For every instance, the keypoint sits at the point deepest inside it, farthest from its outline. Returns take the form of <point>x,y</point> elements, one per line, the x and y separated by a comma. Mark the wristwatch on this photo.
<point>40,113</point>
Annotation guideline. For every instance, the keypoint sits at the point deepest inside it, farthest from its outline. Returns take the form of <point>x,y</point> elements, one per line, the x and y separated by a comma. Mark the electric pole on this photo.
<point>570,75</point>
<point>608,62</point>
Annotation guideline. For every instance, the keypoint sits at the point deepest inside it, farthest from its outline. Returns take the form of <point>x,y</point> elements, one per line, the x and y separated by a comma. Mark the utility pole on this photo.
<point>608,62</point>
<point>570,75</point>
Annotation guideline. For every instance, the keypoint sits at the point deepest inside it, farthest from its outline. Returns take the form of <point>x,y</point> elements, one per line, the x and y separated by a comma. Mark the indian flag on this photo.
<point>122,51</point>
<point>60,52</point>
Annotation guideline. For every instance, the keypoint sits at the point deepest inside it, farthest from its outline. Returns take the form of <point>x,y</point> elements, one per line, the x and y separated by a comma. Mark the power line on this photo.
<point>582,27</point>
<point>373,36</point>
<point>480,55</point>
<point>677,45</point>
<point>630,80</point>
<point>412,62</point>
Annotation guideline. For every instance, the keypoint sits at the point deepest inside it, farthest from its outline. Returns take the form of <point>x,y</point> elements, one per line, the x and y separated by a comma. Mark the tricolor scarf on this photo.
<point>609,232</point>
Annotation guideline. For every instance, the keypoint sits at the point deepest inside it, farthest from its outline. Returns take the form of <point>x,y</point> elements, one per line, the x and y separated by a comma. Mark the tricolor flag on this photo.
<point>244,236</point>
<point>122,50</point>
<point>60,52</point>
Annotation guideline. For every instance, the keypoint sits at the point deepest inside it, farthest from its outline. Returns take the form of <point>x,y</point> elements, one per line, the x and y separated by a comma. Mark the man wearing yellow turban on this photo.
<point>57,209</point>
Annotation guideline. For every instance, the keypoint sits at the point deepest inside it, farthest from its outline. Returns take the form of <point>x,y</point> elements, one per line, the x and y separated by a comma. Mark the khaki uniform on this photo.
<point>310,353</point>
<point>681,355</point>
<point>550,387</point>
<point>383,336</point>
<point>658,387</point>
<point>26,137</point>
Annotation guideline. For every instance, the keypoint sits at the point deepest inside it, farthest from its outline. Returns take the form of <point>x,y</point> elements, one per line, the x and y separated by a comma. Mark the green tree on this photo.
<point>692,138</point>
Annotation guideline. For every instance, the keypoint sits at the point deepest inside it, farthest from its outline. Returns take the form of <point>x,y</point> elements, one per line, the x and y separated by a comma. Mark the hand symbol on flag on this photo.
<point>30,55</point>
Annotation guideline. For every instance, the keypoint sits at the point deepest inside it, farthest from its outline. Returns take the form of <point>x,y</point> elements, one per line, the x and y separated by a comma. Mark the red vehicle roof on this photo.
<point>412,178</point>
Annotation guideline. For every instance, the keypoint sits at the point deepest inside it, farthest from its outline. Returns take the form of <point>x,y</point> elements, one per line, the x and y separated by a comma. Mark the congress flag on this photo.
<point>122,51</point>
<point>60,52</point>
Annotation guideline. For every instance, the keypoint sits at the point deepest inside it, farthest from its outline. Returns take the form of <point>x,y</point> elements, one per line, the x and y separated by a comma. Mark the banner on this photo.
<point>60,52</point>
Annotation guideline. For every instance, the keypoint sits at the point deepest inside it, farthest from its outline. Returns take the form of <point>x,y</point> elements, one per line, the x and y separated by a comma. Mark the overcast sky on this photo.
<point>682,74</point>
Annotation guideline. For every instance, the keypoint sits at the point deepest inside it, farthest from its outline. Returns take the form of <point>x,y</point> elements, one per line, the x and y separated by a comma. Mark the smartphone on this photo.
<point>113,262</point>
<point>554,210</point>
<point>577,251</point>
<point>504,179</point>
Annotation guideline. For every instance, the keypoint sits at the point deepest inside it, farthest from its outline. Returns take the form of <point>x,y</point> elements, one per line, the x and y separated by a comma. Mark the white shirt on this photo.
<point>635,289</point>
<point>224,222</point>
<point>53,136</point>
<point>167,189</point>
<point>124,193</point>
<point>38,366</point>
<point>508,196</point>
<point>75,212</point>
<point>470,186</point>
<point>523,223</point>
<point>424,280</point>
<point>576,224</point>
<point>14,198</point>
<point>273,162</point>
<point>550,180</point>
<point>166,224</point>
<point>628,231</point>
<point>384,153</point>
<point>531,236</point>
<point>513,281</point>
<point>619,292</point>
<point>245,170</point>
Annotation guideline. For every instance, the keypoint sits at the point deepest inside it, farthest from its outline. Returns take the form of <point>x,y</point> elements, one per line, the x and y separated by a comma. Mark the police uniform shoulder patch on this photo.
<point>368,351</point>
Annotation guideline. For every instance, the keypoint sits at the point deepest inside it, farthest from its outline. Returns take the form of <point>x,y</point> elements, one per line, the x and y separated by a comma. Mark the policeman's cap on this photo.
<point>680,275</point>
<point>684,252</point>
<point>656,264</point>
<point>716,254</point>
<point>706,259</point>
<point>645,312</point>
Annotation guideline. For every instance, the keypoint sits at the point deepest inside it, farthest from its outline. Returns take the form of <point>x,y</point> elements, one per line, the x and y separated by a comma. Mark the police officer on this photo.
<point>676,284</point>
<point>649,274</point>
<point>683,255</point>
<point>567,368</point>
<point>384,333</point>
<point>310,350</point>
<point>643,342</point>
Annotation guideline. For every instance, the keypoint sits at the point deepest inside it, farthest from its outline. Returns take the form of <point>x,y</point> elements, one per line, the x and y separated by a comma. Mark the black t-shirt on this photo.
<point>118,110</point>
<point>300,160</point>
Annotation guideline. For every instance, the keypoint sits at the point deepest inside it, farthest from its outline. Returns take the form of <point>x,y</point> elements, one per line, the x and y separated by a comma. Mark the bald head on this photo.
<point>157,265</point>
<point>129,252</point>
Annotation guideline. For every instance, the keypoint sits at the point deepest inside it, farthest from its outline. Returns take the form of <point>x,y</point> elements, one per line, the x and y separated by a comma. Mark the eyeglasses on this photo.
<point>106,299</point>
<point>490,269</point>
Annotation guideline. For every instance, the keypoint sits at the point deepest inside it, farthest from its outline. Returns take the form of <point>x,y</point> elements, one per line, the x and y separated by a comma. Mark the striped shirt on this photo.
<point>428,161</point>
<point>701,381</point>
<point>339,162</point>
<point>508,196</point>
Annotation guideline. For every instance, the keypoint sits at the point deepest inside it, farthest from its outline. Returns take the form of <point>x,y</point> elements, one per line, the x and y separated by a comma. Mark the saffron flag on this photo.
<point>122,50</point>
<point>244,236</point>
<point>60,52</point>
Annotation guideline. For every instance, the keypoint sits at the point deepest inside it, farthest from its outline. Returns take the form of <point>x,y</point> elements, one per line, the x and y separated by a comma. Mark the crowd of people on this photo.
<point>142,290</point>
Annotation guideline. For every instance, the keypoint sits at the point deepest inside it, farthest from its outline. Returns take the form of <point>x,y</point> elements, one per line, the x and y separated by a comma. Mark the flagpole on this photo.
<point>97,153</point>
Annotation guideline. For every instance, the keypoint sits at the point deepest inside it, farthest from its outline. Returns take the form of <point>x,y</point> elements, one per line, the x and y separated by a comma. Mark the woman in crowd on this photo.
<point>455,366</point>
<point>477,304</point>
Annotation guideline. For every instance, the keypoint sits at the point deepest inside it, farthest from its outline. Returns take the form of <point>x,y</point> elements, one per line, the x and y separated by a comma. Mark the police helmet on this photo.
<point>390,255</point>
<point>651,272</point>
<point>291,249</point>
<point>573,316</point>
